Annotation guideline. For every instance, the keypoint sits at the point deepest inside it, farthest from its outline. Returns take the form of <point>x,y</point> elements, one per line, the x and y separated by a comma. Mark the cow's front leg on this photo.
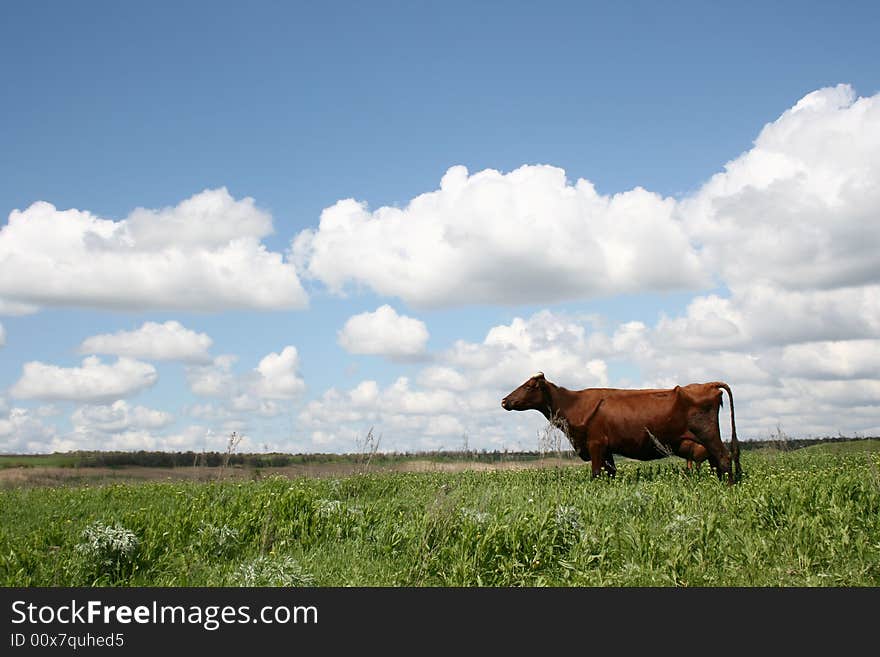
<point>597,457</point>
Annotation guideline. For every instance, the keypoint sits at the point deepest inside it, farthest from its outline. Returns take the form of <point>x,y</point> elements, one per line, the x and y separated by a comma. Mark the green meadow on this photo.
<point>809,517</point>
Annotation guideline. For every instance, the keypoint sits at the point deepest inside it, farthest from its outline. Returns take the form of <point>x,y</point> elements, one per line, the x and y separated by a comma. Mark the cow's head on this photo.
<point>531,395</point>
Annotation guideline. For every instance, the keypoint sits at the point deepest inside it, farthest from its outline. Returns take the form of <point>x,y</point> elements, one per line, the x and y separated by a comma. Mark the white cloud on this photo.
<point>14,308</point>
<point>553,343</point>
<point>445,378</point>
<point>2,335</point>
<point>799,210</point>
<point>277,376</point>
<point>762,315</point>
<point>246,403</point>
<point>152,341</point>
<point>118,417</point>
<point>778,316</point>
<point>48,410</point>
<point>401,398</point>
<point>384,333</point>
<point>521,237</point>
<point>22,433</point>
<point>92,382</point>
<point>210,412</point>
<point>338,419</point>
<point>88,437</point>
<point>203,254</point>
<point>209,219</point>
<point>851,359</point>
<point>214,380</point>
<point>228,411</point>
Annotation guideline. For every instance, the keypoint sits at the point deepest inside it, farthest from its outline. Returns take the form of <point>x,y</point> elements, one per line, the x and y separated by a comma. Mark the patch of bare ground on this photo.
<point>55,476</point>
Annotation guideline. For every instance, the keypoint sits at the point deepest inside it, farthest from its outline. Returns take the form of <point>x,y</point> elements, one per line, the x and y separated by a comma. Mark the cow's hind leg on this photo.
<point>609,466</point>
<point>709,436</point>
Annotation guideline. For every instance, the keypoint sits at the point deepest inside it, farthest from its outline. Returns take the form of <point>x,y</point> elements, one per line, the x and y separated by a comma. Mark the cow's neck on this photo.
<point>554,398</point>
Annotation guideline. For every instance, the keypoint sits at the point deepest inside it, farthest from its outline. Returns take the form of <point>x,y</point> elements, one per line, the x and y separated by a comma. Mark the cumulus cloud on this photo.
<point>789,230</point>
<point>48,410</point>
<point>215,379</point>
<point>22,433</point>
<point>276,377</point>
<point>443,377</point>
<point>850,359</point>
<point>14,308</point>
<point>798,210</point>
<point>550,342</point>
<point>247,403</point>
<point>384,333</point>
<point>94,381</point>
<point>521,237</point>
<point>152,341</point>
<point>122,426</point>
<point>339,419</point>
<point>203,254</point>
<point>762,315</point>
<point>233,409</point>
<point>210,412</point>
<point>90,437</point>
<point>119,416</point>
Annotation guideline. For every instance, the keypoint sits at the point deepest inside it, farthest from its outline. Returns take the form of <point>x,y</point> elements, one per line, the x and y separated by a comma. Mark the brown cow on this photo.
<point>639,424</point>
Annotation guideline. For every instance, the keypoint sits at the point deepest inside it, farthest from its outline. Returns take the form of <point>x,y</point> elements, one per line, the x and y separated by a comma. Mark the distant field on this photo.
<point>801,518</point>
<point>868,445</point>
<point>38,460</point>
<point>44,476</point>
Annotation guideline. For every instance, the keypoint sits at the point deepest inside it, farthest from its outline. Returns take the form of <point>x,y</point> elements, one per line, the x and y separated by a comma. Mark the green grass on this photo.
<point>804,518</point>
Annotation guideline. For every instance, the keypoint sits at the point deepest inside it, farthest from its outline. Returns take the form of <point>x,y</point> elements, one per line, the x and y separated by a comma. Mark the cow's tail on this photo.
<point>734,443</point>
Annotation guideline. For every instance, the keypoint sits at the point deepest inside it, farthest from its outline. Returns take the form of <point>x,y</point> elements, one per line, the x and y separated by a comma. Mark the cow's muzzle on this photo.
<point>505,404</point>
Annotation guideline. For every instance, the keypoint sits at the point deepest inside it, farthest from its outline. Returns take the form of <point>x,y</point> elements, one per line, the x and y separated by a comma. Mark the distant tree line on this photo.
<point>86,459</point>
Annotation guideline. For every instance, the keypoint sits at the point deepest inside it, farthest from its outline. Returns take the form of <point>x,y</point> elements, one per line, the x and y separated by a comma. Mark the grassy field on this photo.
<point>37,460</point>
<point>809,517</point>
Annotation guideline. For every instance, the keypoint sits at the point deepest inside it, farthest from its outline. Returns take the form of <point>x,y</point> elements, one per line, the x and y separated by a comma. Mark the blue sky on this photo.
<point>111,107</point>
